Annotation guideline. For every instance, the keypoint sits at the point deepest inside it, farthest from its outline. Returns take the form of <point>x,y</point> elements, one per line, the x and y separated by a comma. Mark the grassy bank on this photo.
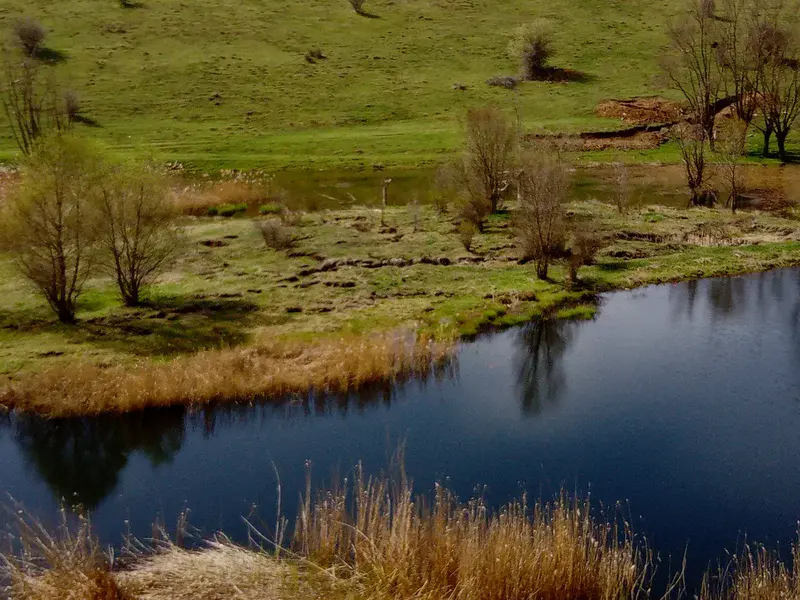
<point>351,303</point>
<point>375,539</point>
<point>226,84</point>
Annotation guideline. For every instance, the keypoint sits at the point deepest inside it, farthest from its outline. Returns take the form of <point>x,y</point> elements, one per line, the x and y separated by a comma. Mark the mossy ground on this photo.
<point>227,288</point>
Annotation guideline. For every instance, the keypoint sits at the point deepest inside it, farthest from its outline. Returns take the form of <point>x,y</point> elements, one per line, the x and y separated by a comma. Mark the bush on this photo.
<point>29,35</point>
<point>480,177</point>
<point>466,233</point>
<point>532,45</point>
<point>543,188</point>
<point>273,208</point>
<point>586,243</point>
<point>227,210</point>
<point>504,81</point>
<point>291,218</point>
<point>49,225</point>
<point>276,235</point>
<point>314,55</point>
<point>358,5</point>
<point>72,105</point>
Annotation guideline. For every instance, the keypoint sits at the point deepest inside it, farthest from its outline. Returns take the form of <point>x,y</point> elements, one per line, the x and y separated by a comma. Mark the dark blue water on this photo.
<point>681,401</point>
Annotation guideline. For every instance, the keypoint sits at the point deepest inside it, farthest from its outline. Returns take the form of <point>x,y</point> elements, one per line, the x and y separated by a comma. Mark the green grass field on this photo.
<point>216,83</point>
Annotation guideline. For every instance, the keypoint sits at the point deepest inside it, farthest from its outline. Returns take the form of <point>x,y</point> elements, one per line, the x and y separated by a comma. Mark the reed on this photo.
<point>394,545</point>
<point>198,199</point>
<point>756,573</point>
<point>264,369</point>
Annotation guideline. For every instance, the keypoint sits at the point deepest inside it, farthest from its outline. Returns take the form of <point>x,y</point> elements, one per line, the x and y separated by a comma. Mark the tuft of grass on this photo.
<point>227,210</point>
<point>273,208</point>
<point>67,564</point>
<point>267,368</point>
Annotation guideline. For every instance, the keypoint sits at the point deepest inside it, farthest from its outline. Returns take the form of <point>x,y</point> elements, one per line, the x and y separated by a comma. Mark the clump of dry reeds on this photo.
<point>755,574</point>
<point>263,369</point>
<point>394,545</point>
<point>66,565</point>
<point>197,199</point>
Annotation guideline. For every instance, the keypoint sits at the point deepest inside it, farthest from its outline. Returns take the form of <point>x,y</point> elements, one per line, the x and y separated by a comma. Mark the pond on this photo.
<point>646,184</point>
<point>680,401</point>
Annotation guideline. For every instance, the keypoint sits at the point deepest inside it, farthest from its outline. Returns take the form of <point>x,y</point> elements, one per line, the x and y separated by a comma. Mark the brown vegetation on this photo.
<point>532,45</point>
<point>51,226</point>
<point>543,186</point>
<point>138,234</point>
<point>29,35</point>
<point>268,368</point>
<point>641,111</point>
<point>197,199</point>
<point>275,234</point>
<point>481,175</point>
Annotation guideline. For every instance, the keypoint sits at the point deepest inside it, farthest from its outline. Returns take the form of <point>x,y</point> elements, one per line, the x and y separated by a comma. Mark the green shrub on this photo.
<point>273,208</point>
<point>226,210</point>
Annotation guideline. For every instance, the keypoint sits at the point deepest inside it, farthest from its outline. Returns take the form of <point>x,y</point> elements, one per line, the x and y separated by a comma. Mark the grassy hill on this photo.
<point>225,82</point>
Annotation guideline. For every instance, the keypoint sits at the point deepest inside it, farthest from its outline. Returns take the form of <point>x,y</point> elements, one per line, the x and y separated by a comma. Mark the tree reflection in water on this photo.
<point>80,459</point>
<point>539,363</point>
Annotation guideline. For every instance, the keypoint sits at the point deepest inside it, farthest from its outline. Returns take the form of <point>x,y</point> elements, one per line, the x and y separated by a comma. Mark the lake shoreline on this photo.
<point>353,303</point>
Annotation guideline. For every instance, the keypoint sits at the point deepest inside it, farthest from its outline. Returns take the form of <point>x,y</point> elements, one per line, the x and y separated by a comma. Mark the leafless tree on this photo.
<point>138,228</point>
<point>692,67</point>
<point>732,137</point>
<point>30,99</point>
<point>543,186</point>
<point>738,54</point>
<point>29,35</point>
<point>490,144</point>
<point>586,243</point>
<point>532,45</point>
<point>50,225</point>
<point>779,68</point>
<point>691,142</point>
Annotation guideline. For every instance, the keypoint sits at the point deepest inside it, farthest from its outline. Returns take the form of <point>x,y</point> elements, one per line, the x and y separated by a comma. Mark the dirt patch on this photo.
<point>639,140</point>
<point>641,111</point>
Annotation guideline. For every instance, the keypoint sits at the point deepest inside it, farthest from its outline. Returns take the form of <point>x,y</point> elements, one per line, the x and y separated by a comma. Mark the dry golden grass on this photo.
<point>67,565</point>
<point>755,574</point>
<point>196,200</point>
<point>232,374</point>
<point>219,572</point>
<point>393,545</point>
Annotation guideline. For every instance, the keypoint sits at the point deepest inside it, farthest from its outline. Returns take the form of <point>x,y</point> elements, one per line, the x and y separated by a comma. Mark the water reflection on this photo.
<point>541,346</point>
<point>80,459</point>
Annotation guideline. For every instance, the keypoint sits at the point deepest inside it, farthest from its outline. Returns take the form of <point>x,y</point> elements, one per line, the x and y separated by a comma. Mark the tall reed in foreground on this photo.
<point>66,565</point>
<point>267,368</point>
<point>756,573</point>
<point>394,545</point>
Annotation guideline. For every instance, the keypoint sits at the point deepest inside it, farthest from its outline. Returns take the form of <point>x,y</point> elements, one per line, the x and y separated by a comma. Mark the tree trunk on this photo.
<point>541,269</point>
<point>767,137</point>
<point>66,313</point>
<point>781,137</point>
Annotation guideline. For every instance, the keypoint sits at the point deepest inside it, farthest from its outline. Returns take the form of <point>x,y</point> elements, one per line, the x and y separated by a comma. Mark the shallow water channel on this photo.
<point>681,401</point>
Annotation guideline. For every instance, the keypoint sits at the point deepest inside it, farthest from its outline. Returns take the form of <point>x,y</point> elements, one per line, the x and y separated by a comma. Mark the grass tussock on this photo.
<point>393,545</point>
<point>755,574</point>
<point>199,200</point>
<point>233,374</point>
<point>66,565</point>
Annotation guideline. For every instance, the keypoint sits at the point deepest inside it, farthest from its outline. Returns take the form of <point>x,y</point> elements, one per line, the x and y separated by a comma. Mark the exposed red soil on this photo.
<point>641,111</point>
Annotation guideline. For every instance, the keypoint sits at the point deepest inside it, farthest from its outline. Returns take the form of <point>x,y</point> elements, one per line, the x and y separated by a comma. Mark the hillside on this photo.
<point>223,82</point>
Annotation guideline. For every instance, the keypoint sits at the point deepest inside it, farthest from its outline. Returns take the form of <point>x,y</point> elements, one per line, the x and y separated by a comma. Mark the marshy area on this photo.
<point>264,300</point>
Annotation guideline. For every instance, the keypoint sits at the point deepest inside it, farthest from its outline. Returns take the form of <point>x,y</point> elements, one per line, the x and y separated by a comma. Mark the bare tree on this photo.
<point>50,225</point>
<point>732,137</point>
<point>543,186</point>
<point>586,243</point>
<point>532,45</point>
<point>138,228</point>
<point>30,99</point>
<point>480,177</point>
<point>779,68</point>
<point>739,53</point>
<point>690,139</point>
<point>29,35</point>
<point>693,68</point>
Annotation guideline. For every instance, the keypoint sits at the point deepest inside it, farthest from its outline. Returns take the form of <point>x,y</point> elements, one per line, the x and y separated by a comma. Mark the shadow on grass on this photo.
<point>165,327</point>
<point>88,121</point>
<point>560,75</point>
<point>368,15</point>
<point>172,326</point>
<point>49,55</point>
<point>613,267</point>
